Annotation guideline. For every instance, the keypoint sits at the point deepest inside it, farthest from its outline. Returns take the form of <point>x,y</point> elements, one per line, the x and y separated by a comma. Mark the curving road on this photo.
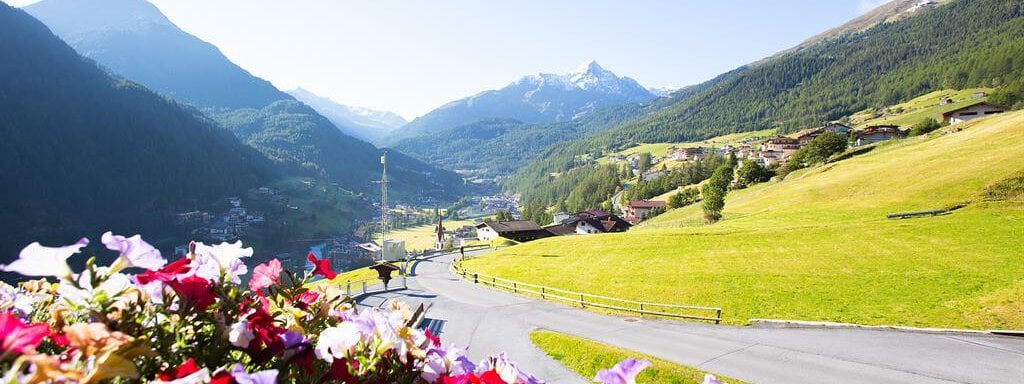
<point>489,321</point>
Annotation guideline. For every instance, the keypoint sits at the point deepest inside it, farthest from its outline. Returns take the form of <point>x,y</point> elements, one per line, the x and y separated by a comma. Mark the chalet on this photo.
<point>781,144</point>
<point>636,209</point>
<point>806,137</point>
<point>766,158</point>
<point>970,112</point>
<point>744,151</point>
<point>517,230</point>
<point>689,154</point>
<point>877,133</point>
<point>590,222</point>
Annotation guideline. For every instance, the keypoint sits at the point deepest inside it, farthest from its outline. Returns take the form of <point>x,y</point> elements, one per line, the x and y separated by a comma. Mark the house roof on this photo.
<point>782,140</point>
<point>561,229</point>
<point>511,226</point>
<point>594,213</point>
<point>971,105</point>
<point>646,203</point>
<point>881,129</point>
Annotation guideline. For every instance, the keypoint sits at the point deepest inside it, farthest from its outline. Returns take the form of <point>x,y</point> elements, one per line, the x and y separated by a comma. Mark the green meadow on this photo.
<point>586,357</point>
<point>817,245</point>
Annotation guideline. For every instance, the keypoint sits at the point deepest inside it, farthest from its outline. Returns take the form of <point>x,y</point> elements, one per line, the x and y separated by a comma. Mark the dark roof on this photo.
<point>947,114</point>
<point>511,226</point>
<point>561,229</point>
<point>646,204</point>
<point>880,129</point>
<point>593,212</point>
<point>782,140</point>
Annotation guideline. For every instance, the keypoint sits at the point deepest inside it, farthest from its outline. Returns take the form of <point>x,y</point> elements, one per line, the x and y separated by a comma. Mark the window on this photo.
<point>968,113</point>
<point>992,112</point>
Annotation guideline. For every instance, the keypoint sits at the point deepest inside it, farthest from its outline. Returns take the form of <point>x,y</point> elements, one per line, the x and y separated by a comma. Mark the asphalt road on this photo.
<point>489,321</point>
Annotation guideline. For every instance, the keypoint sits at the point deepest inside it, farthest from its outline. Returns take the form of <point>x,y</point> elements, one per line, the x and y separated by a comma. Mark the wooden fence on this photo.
<point>588,300</point>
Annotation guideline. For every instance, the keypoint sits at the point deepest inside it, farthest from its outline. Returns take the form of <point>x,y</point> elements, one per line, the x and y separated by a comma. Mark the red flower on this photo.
<point>322,267</point>
<point>222,377</point>
<point>165,274</point>
<point>490,377</point>
<point>187,368</point>
<point>194,291</point>
<point>18,337</point>
<point>434,340</point>
<point>305,299</point>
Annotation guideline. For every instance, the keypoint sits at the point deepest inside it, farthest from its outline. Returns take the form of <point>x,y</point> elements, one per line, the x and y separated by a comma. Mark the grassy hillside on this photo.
<point>962,44</point>
<point>586,357</point>
<point>817,246</point>
<point>922,107</point>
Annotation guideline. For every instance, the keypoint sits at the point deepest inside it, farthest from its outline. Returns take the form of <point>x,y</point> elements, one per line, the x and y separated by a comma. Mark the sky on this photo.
<point>410,57</point>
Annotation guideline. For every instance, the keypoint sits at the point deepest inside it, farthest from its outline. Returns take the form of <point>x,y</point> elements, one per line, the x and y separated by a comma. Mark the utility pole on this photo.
<point>383,201</point>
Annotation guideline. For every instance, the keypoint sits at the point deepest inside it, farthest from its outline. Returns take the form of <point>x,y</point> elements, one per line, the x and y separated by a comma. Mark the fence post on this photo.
<point>718,316</point>
<point>541,292</point>
<point>494,281</point>
<point>405,284</point>
<point>476,278</point>
<point>364,286</point>
<point>515,287</point>
<point>581,301</point>
<point>641,309</point>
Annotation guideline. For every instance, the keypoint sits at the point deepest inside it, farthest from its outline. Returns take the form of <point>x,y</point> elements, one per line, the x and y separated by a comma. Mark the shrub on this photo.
<point>924,126</point>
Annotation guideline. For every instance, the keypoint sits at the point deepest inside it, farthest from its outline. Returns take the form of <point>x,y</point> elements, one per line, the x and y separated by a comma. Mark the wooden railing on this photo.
<point>358,288</point>
<point>584,300</point>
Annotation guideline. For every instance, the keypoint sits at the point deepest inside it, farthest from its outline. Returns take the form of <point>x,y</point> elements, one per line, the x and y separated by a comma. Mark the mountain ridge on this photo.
<point>538,98</point>
<point>158,54</point>
<point>85,151</point>
<point>363,123</point>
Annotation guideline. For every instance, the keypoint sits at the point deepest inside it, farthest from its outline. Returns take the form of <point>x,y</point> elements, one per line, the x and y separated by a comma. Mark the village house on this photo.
<point>786,145</point>
<point>877,133</point>
<point>589,222</point>
<point>689,154</point>
<point>516,230</point>
<point>193,217</point>
<point>837,128</point>
<point>744,151</point>
<point>635,210</point>
<point>970,112</point>
<point>767,158</point>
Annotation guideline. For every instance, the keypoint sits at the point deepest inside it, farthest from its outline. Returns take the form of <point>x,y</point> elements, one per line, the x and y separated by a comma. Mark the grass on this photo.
<point>586,357</point>
<point>422,237</point>
<point>817,246</point>
<point>920,108</point>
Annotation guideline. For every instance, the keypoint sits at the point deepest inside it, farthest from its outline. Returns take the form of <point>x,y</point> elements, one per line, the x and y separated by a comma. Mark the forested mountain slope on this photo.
<point>135,40</point>
<point>965,43</point>
<point>82,148</point>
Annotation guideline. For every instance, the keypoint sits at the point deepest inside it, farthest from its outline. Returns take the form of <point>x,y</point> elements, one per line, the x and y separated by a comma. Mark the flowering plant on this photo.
<point>192,321</point>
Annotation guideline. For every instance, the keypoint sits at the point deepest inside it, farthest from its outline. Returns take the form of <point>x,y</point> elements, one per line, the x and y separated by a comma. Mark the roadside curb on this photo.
<point>775,323</point>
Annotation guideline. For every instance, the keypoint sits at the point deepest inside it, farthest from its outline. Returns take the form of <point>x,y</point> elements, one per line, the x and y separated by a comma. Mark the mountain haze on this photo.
<point>84,151</point>
<point>133,39</point>
<point>541,98</point>
<point>363,123</point>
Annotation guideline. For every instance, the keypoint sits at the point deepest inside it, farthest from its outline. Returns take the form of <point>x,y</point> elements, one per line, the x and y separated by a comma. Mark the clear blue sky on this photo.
<point>412,56</point>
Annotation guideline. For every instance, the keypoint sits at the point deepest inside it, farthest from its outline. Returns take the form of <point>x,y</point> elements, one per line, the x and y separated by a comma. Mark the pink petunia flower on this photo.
<point>18,337</point>
<point>265,275</point>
